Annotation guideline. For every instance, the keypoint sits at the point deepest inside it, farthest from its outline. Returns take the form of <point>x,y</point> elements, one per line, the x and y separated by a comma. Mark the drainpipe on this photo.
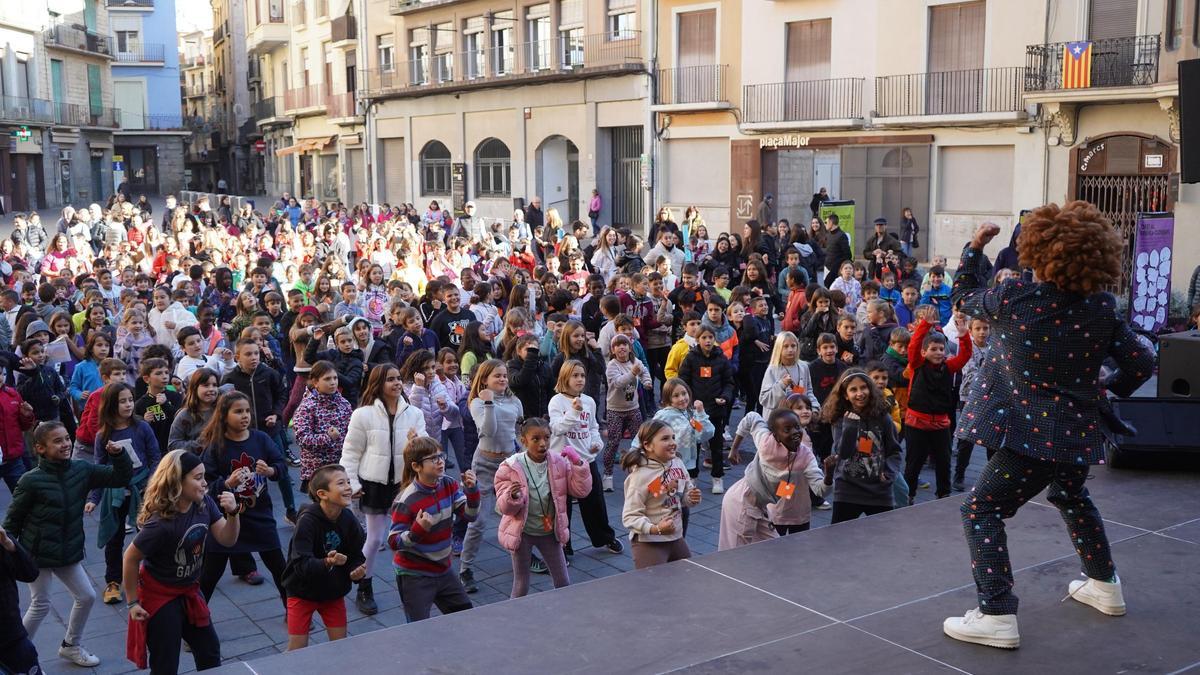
<point>369,132</point>
<point>651,121</point>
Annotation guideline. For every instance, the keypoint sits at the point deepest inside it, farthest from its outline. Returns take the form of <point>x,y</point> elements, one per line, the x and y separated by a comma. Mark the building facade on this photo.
<point>57,103</point>
<point>234,116</point>
<point>149,145</point>
<point>201,113</point>
<point>500,102</point>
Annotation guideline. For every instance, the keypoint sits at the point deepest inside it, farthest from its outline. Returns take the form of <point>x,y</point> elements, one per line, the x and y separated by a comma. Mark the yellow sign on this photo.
<point>783,141</point>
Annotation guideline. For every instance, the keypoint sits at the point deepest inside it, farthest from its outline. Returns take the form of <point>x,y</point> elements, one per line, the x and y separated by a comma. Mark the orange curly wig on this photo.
<point>1073,247</point>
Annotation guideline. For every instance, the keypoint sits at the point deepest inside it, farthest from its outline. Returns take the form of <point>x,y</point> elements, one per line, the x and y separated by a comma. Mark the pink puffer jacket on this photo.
<point>566,477</point>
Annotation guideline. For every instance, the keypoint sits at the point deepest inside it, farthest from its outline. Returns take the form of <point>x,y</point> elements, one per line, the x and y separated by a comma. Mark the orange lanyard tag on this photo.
<point>798,389</point>
<point>697,425</point>
<point>656,487</point>
<point>785,489</point>
<point>865,445</point>
<point>705,371</point>
<point>546,524</point>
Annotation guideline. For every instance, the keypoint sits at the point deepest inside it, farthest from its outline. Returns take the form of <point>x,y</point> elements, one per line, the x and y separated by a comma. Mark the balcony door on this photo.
<point>806,71</point>
<point>696,74</point>
<point>954,80</point>
<point>130,97</point>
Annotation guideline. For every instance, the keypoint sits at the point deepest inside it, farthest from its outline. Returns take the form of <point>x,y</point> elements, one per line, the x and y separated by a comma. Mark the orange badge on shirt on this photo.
<point>798,389</point>
<point>785,489</point>
<point>705,371</point>
<point>865,445</point>
<point>697,425</point>
<point>656,487</point>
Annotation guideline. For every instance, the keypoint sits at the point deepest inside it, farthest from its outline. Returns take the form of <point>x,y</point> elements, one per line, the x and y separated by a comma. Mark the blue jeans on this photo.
<point>907,248</point>
<point>11,471</point>
<point>285,479</point>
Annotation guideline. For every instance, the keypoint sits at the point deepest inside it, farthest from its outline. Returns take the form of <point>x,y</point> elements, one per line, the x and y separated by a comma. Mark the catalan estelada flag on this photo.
<point>1077,65</point>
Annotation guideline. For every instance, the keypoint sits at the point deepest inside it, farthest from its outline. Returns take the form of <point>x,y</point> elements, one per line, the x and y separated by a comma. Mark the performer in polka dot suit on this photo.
<point>1036,400</point>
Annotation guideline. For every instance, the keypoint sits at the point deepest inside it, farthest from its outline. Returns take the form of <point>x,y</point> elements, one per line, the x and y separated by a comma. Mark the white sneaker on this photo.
<point>984,629</point>
<point>606,481</point>
<point>718,486</point>
<point>1102,595</point>
<point>78,655</point>
<point>824,506</point>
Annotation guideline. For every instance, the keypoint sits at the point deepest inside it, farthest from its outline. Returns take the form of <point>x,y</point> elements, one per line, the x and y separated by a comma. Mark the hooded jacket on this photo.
<point>264,387</point>
<point>350,367</point>
<point>306,575</point>
<point>708,375</point>
<point>654,491</point>
<point>566,478</point>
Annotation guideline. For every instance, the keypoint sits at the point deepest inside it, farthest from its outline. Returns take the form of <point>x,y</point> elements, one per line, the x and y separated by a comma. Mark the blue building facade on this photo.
<point>149,145</point>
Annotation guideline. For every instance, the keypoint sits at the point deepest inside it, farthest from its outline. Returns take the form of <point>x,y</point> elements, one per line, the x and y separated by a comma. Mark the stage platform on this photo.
<point>866,596</point>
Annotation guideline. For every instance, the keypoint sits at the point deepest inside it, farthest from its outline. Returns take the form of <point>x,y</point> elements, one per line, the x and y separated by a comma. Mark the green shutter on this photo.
<point>95,96</point>
<point>89,14</point>
<point>56,81</point>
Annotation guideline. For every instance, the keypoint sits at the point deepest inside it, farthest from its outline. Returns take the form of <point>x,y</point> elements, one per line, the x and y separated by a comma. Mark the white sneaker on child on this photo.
<point>984,629</point>
<point>718,486</point>
<point>607,483</point>
<point>78,655</point>
<point>1102,595</point>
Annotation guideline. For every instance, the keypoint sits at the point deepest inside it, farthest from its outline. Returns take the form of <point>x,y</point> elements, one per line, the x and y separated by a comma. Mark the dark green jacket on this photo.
<point>46,514</point>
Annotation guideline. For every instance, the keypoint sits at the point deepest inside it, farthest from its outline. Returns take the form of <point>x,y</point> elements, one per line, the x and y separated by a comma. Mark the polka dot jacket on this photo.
<point>1038,390</point>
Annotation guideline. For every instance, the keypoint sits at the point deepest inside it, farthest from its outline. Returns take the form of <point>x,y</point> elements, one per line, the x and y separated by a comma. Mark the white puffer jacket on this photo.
<point>370,444</point>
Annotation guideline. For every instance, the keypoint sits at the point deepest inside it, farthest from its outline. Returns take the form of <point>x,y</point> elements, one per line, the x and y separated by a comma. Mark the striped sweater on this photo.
<point>424,552</point>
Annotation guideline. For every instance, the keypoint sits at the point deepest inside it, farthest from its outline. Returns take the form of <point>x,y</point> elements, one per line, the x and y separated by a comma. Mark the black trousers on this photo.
<point>19,657</point>
<point>923,443</point>
<point>1008,481</point>
<point>214,569</point>
<point>167,627</point>
<point>594,511</point>
<point>750,378</point>
<point>963,450</point>
<point>843,511</point>
<point>785,530</point>
<point>719,416</point>
<point>657,360</point>
<point>115,548</point>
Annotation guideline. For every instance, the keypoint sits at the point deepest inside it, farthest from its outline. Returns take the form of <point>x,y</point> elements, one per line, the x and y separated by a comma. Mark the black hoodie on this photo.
<point>14,567</point>
<point>307,576</point>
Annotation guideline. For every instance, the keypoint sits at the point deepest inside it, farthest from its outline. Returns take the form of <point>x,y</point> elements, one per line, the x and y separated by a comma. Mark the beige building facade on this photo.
<point>501,102</point>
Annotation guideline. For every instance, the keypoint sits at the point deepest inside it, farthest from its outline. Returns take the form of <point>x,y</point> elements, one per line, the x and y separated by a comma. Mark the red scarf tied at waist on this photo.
<point>926,421</point>
<point>153,595</point>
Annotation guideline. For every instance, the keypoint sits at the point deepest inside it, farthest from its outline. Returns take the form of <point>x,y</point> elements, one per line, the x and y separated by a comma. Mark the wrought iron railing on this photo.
<point>690,84</point>
<point>130,3</point>
<point>133,121</point>
<point>1116,62</point>
<point>528,59</point>
<point>146,53</point>
<point>806,101</point>
<point>84,115</point>
<point>956,92</point>
<point>267,108</point>
<point>71,37</point>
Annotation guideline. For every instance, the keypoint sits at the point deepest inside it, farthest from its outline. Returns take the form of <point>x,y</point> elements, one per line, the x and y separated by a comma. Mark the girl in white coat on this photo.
<point>373,456</point>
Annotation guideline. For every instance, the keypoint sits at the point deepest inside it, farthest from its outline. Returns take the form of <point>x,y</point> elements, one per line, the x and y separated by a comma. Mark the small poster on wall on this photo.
<point>845,213</point>
<point>1150,290</point>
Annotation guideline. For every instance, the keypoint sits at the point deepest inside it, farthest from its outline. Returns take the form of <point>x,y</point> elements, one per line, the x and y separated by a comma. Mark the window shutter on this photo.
<point>697,38</point>
<point>1112,19</point>
<point>956,37</point>
<point>808,48</point>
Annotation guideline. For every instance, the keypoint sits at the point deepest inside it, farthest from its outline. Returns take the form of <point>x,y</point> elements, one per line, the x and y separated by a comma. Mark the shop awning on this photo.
<point>305,145</point>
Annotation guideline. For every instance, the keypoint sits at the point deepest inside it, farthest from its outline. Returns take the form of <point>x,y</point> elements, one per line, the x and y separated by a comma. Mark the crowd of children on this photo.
<point>175,379</point>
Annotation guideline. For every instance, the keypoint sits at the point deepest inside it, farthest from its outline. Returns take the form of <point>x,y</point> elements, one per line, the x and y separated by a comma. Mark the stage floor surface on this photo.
<point>865,596</point>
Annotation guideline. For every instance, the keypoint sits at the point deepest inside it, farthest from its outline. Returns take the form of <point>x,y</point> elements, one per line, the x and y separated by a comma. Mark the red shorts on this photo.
<point>300,613</point>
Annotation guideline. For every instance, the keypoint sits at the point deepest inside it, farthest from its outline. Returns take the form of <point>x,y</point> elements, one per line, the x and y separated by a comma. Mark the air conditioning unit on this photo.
<point>64,155</point>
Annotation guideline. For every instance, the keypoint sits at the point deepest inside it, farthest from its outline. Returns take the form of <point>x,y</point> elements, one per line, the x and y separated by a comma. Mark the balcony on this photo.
<point>309,99</point>
<point>142,5</point>
<point>78,39</point>
<point>810,104</point>
<point>20,110</point>
<point>220,31</point>
<point>561,58</point>
<point>978,96</point>
<point>198,91</point>
<point>269,34</point>
<point>1123,68</point>
<point>690,88</point>
<point>269,111</point>
<point>138,55</point>
<point>340,108</point>
<point>299,13</point>
<point>193,61</point>
<point>343,31</point>
<point>84,115</point>
<point>136,121</point>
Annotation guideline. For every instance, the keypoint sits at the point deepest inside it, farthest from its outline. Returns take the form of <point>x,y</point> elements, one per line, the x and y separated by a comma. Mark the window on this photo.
<point>435,169</point>
<point>95,95</point>
<point>1174,29</point>
<point>305,65</point>
<point>502,43</point>
<point>351,70</point>
<point>473,49</point>
<point>537,28</point>
<point>570,32</point>
<point>1112,19</point>
<point>443,52</point>
<point>622,19</point>
<point>384,45</point>
<point>128,41</point>
<point>493,172</point>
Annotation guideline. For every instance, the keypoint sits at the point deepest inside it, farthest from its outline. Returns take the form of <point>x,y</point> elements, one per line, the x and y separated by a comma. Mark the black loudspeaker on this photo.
<point>1189,120</point>
<point>1166,428</point>
<point>1179,365</point>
